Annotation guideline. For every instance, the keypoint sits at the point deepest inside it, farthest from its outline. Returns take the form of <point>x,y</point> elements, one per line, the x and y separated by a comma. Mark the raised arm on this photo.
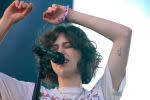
<point>119,34</point>
<point>14,13</point>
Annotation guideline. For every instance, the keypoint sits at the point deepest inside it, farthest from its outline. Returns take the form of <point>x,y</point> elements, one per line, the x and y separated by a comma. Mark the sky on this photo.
<point>134,14</point>
<point>143,4</point>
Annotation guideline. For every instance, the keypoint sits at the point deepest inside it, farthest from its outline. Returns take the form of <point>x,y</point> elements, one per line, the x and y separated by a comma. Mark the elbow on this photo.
<point>124,34</point>
<point>127,33</point>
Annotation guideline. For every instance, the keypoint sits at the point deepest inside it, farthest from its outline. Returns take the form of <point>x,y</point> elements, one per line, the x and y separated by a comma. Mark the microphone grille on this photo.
<point>60,58</point>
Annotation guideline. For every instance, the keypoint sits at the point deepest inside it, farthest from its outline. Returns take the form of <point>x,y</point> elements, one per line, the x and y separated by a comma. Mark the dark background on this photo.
<point>16,56</point>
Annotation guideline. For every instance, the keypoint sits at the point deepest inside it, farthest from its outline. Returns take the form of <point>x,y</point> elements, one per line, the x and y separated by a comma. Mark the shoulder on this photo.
<point>10,80</point>
<point>6,79</point>
<point>17,89</point>
<point>105,84</point>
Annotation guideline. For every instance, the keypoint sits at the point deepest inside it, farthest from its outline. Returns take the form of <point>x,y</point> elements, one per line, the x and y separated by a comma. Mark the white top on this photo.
<point>12,89</point>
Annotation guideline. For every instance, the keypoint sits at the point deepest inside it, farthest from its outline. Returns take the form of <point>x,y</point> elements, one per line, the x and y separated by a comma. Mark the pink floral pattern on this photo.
<point>94,94</point>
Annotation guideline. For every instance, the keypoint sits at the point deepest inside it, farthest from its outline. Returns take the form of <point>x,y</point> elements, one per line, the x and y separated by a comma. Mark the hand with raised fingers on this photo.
<point>56,14</point>
<point>17,11</point>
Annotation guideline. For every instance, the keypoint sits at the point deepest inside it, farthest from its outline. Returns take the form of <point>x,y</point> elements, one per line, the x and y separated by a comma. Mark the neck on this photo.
<point>70,81</point>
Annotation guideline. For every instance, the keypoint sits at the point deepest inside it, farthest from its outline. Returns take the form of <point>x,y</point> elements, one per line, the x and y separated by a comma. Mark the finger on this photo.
<point>49,9</point>
<point>44,14</point>
<point>51,21</point>
<point>20,4</point>
<point>48,13</point>
<point>55,21</point>
<point>60,19</point>
<point>27,9</point>
<point>24,5</point>
<point>16,2</point>
<point>54,6</point>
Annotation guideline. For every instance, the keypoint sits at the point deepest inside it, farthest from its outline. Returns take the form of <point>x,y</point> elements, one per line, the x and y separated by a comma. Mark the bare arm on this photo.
<point>119,34</point>
<point>14,13</point>
<point>4,27</point>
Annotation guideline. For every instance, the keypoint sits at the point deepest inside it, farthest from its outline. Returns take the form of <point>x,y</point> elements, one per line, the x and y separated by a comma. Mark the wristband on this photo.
<point>63,18</point>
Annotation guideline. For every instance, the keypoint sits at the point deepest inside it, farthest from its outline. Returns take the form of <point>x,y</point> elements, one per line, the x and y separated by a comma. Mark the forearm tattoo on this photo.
<point>119,52</point>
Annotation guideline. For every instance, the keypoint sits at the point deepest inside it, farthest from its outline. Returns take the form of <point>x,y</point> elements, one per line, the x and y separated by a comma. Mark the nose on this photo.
<point>61,50</point>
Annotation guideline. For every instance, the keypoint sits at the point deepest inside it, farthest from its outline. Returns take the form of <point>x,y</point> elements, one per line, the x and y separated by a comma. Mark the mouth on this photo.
<point>66,60</point>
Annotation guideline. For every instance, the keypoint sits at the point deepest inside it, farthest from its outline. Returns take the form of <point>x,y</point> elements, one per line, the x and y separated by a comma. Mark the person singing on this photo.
<point>81,57</point>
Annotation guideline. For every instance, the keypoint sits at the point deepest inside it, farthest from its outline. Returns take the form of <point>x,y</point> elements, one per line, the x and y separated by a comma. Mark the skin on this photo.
<point>17,11</point>
<point>119,34</point>
<point>14,13</point>
<point>66,72</point>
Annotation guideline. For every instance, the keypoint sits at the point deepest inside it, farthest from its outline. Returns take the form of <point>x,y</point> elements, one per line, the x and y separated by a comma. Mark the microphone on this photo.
<point>56,57</point>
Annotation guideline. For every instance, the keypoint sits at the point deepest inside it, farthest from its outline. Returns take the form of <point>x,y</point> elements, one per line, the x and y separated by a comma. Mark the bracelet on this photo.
<point>64,17</point>
<point>66,13</point>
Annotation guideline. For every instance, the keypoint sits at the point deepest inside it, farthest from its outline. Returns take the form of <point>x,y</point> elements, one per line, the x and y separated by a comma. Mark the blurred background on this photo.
<point>17,59</point>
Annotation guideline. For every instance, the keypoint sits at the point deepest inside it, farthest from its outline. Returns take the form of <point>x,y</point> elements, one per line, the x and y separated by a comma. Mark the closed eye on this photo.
<point>65,45</point>
<point>68,45</point>
<point>54,48</point>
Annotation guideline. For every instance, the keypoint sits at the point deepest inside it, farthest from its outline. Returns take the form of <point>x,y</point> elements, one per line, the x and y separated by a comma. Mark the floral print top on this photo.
<point>12,89</point>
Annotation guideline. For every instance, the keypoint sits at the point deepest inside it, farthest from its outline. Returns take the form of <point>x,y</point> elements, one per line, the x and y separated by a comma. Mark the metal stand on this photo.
<point>37,87</point>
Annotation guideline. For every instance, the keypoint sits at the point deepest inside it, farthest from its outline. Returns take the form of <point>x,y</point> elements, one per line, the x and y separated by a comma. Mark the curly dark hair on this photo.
<point>90,58</point>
